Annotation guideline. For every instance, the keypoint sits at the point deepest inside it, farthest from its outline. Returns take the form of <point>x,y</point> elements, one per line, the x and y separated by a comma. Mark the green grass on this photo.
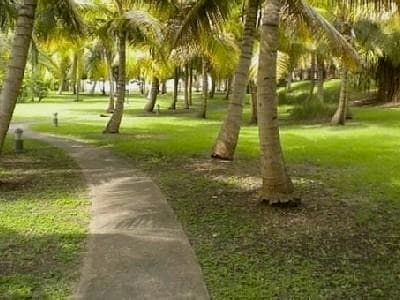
<point>43,221</point>
<point>342,243</point>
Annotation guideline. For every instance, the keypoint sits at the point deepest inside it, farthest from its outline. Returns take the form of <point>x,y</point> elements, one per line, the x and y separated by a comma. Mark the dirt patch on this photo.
<point>14,184</point>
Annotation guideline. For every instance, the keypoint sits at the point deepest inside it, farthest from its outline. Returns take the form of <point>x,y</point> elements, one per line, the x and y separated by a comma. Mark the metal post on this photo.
<point>55,119</point>
<point>19,142</point>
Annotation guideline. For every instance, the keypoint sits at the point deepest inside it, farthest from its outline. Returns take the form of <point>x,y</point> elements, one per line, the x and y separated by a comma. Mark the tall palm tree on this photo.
<point>15,74</point>
<point>225,145</point>
<point>61,10</point>
<point>97,17</point>
<point>277,187</point>
<point>16,68</point>
<point>135,26</point>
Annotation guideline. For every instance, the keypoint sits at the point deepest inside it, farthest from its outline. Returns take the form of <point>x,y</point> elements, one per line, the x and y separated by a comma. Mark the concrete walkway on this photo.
<point>136,248</point>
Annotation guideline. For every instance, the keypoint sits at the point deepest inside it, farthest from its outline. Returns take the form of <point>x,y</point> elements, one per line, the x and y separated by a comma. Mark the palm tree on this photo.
<point>15,74</point>
<point>205,68</point>
<point>340,116</point>
<point>135,26</point>
<point>277,186</point>
<point>61,10</point>
<point>97,17</point>
<point>225,145</point>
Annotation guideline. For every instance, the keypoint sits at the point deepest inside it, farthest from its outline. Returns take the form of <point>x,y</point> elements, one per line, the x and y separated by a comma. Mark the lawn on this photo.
<point>43,223</point>
<point>342,243</point>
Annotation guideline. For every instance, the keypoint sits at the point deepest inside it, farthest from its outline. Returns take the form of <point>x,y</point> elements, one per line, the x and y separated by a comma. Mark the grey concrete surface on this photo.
<point>136,248</point>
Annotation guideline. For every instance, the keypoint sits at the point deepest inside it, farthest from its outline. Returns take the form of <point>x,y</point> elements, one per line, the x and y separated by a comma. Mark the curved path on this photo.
<point>136,247</point>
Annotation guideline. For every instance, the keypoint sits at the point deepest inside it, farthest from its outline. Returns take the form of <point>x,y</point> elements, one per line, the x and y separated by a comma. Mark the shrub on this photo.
<point>312,111</point>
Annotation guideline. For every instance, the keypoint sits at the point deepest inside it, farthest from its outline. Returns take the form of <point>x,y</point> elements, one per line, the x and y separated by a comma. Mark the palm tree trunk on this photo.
<point>16,66</point>
<point>277,186</point>
<point>197,82</point>
<point>103,87</point>
<point>155,85</point>
<point>34,64</point>
<point>74,71</point>
<point>60,88</point>
<point>253,91</point>
<point>340,116</point>
<point>289,81</point>
<point>111,101</point>
<point>116,119</point>
<point>186,91</point>
<point>312,77</point>
<point>212,91</point>
<point>92,90</point>
<point>226,142</point>
<point>76,74</point>
<point>63,74</point>
<point>203,113</point>
<point>164,87</point>
<point>228,87</point>
<point>176,91</point>
<point>190,85</point>
<point>77,89</point>
<point>320,78</point>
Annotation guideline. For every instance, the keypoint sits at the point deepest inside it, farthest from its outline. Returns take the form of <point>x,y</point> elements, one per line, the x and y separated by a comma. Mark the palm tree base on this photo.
<point>281,200</point>
<point>338,120</point>
<point>221,151</point>
<point>107,131</point>
<point>222,157</point>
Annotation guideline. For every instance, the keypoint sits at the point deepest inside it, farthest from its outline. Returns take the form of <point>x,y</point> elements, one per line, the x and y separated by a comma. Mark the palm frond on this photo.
<point>55,16</point>
<point>202,16</point>
<point>320,26</point>
<point>8,13</point>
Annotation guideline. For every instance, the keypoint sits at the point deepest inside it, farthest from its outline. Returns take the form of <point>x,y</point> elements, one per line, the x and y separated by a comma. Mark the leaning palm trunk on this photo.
<point>340,116</point>
<point>203,112</point>
<point>115,121</point>
<point>16,67</point>
<point>225,145</point>
<point>111,101</point>
<point>277,188</point>
<point>155,86</point>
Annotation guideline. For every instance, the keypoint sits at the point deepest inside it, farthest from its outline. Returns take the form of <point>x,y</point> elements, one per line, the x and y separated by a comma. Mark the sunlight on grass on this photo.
<point>330,248</point>
<point>43,223</point>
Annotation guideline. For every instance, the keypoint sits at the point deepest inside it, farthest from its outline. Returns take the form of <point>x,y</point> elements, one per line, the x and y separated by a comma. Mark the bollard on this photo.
<point>19,142</point>
<point>55,119</point>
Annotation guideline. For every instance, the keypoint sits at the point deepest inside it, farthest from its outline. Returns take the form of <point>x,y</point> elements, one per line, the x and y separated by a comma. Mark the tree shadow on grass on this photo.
<point>38,266</point>
<point>318,249</point>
